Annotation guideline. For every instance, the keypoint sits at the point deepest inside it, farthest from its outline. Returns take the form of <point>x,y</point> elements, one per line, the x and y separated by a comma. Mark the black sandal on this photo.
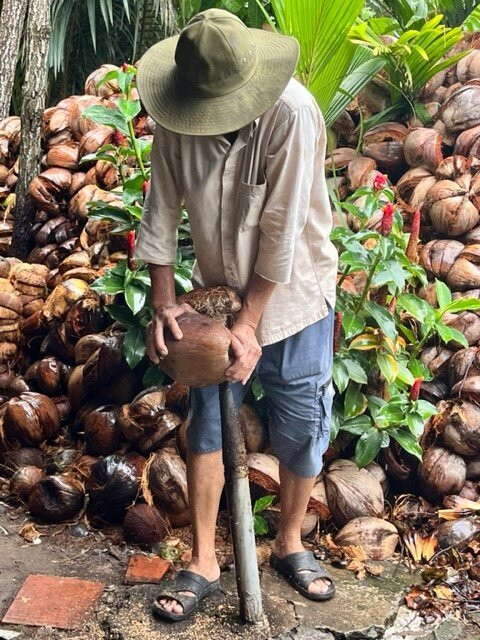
<point>184,581</point>
<point>301,569</point>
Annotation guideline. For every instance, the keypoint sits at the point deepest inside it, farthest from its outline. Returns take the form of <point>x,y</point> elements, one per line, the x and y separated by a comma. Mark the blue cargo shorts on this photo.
<point>296,376</point>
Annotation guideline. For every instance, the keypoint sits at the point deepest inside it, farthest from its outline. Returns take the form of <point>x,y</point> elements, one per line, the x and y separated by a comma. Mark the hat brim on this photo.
<point>176,111</point>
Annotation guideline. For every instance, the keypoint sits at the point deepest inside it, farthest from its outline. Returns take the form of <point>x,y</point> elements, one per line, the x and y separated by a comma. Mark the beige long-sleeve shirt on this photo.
<point>260,205</point>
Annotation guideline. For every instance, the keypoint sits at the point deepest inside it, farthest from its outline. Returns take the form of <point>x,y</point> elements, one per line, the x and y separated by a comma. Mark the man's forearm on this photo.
<point>163,286</point>
<point>259,292</point>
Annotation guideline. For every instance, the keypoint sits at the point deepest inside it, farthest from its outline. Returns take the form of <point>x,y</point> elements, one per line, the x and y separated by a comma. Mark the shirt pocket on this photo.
<point>251,200</point>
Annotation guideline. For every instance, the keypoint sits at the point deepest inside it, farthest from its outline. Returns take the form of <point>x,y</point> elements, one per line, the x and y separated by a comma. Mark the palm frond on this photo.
<point>321,27</point>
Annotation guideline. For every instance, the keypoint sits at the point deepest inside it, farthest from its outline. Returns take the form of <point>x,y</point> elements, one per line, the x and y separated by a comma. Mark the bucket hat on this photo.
<point>216,76</point>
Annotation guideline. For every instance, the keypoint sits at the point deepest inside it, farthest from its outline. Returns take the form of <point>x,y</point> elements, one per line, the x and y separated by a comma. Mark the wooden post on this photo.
<point>240,510</point>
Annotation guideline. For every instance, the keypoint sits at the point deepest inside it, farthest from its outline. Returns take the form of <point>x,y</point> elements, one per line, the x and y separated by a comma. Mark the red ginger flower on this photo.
<point>415,390</point>
<point>145,187</point>
<point>125,67</point>
<point>387,219</point>
<point>118,138</point>
<point>130,249</point>
<point>412,247</point>
<point>380,181</point>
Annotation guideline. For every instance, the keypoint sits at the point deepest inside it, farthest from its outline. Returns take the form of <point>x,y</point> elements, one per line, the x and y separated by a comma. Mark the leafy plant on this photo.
<point>260,525</point>
<point>330,66</point>
<point>130,281</point>
<point>382,327</point>
<point>412,57</point>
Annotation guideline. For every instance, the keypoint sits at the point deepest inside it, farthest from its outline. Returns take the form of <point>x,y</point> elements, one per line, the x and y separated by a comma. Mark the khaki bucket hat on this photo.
<point>216,76</point>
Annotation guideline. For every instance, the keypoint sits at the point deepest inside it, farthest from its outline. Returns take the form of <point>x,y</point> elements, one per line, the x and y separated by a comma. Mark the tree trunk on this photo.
<point>12,18</point>
<point>33,106</point>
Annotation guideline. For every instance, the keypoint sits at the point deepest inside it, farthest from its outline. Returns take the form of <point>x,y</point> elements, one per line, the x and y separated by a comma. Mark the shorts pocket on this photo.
<point>324,405</point>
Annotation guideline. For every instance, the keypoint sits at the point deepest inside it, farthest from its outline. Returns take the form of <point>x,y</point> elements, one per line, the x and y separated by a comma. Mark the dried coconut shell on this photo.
<point>352,492</point>
<point>378,538</point>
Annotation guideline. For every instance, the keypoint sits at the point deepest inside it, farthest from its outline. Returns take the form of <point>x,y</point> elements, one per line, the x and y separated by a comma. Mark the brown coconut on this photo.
<point>202,356</point>
<point>57,498</point>
<point>144,525</point>
<point>352,492</point>
<point>441,472</point>
<point>377,537</point>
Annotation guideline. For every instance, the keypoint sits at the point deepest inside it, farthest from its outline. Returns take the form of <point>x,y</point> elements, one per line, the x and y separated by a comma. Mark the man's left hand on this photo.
<point>247,353</point>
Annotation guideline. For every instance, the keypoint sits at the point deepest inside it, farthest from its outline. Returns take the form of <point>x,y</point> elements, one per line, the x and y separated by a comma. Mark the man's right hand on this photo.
<point>164,318</point>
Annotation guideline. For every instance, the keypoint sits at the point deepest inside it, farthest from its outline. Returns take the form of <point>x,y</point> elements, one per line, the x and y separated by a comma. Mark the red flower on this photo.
<point>387,219</point>
<point>415,390</point>
<point>125,67</point>
<point>379,182</point>
<point>337,332</point>
<point>412,247</point>
<point>130,249</point>
<point>118,138</point>
<point>145,187</point>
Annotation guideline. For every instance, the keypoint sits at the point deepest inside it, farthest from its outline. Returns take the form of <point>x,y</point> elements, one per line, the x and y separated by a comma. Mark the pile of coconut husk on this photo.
<point>78,434</point>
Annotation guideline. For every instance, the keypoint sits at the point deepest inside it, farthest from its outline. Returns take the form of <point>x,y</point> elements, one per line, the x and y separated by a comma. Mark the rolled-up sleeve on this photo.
<point>157,235</point>
<point>290,170</point>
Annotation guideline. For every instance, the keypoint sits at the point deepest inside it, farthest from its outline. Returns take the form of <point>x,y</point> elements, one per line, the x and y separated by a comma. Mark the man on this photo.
<point>242,145</point>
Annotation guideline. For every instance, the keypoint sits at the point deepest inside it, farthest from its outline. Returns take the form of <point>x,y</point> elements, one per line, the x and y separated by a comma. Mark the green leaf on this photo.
<point>449,334</point>
<point>355,371</point>
<point>416,307</point>
<point>462,304</point>
<point>353,324</point>
<point>262,503</point>
<point>415,423</point>
<point>367,447</point>
<point>358,426</point>
<point>121,314</point>
<point>260,525</point>
<point>257,389</point>
<point>109,283</point>
<point>407,441</point>
<point>444,296</point>
<point>340,375</point>
<point>388,366</point>
<point>133,346</point>
<point>153,377</point>
<point>135,296</point>
<point>129,108</point>
<point>426,409</point>
<point>107,116</point>
<point>355,402</point>
<point>384,319</point>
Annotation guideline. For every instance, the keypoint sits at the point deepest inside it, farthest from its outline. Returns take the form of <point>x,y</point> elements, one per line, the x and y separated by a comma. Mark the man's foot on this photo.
<point>281,550</point>
<point>209,571</point>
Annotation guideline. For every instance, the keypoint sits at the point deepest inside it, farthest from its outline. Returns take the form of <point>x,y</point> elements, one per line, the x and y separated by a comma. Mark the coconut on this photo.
<point>377,537</point>
<point>102,434</point>
<point>318,502</point>
<point>441,472</point>
<point>352,492</point>
<point>167,481</point>
<point>263,473</point>
<point>457,533</point>
<point>144,525</point>
<point>164,429</point>
<point>252,429</point>
<point>460,421</point>
<point>112,487</point>
<point>23,480</point>
<point>202,356</point>
<point>24,457</point>
<point>57,498</point>
<point>31,418</point>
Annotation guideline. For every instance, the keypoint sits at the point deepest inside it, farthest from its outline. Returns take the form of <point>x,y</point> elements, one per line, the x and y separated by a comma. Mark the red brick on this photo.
<point>146,569</point>
<point>53,601</point>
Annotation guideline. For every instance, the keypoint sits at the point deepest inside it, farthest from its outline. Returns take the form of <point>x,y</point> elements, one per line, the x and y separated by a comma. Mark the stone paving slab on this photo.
<point>143,568</point>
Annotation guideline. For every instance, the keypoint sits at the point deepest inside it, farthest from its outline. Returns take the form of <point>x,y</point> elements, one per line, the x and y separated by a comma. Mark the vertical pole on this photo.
<point>240,510</point>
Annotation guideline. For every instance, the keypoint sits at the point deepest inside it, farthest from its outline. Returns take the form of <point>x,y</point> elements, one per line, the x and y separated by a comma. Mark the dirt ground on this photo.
<point>368,609</point>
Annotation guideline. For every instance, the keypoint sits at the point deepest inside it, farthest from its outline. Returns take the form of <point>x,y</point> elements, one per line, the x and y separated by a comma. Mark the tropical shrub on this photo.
<point>382,326</point>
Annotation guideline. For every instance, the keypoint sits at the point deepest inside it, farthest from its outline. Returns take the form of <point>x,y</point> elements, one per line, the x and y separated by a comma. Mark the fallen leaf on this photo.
<point>443,592</point>
<point>29,533</point>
